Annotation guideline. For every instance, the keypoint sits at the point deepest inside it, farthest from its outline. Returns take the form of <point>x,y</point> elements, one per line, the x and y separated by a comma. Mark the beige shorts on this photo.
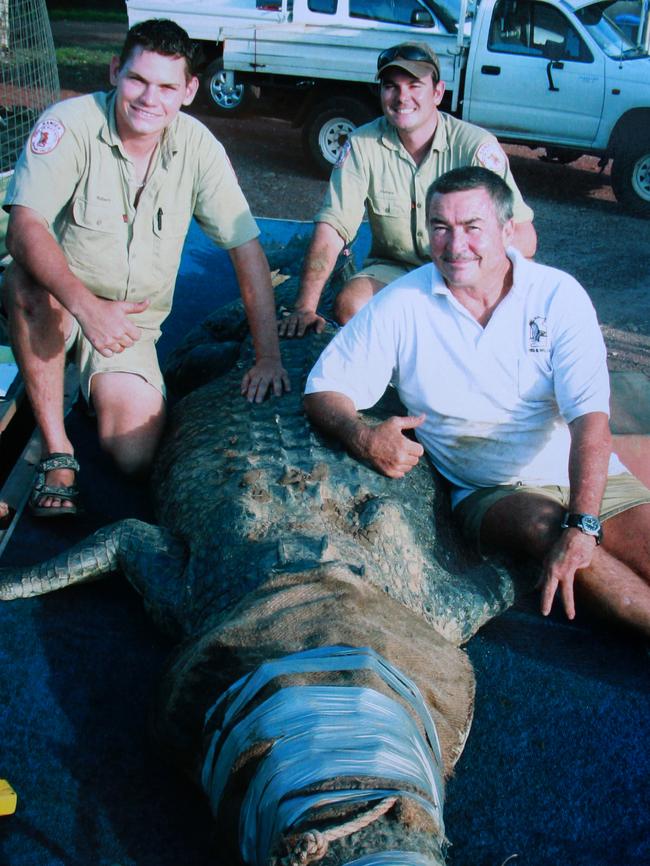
<point>141,359</point>
<point>622,492</point>
<point>383,271</point>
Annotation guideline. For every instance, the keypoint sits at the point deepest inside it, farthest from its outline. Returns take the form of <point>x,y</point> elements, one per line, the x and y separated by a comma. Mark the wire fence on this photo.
<point>29,79</point>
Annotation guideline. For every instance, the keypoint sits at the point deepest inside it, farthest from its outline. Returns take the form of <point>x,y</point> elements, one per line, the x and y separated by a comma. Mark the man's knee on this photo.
<point>131,461</point>
<point>353,296</point>
<point>132,451</point>
<point>130,419</point>
<point>523,524</point>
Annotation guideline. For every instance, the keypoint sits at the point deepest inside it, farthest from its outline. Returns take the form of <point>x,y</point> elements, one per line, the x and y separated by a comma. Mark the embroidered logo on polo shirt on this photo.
<point>46,135</point>
<point>491,156</point>
<point>537,335</point>
<point>343,153</point>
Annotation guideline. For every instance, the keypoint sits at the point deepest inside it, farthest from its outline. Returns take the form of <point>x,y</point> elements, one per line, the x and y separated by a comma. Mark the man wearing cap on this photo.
<point>100,204</point>
<point>387,167</point>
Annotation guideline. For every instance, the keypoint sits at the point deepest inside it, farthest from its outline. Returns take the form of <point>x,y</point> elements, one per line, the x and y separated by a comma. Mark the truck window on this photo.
<point>323,7</point>
<point>535,29</point>
<point>390,11</point>
<point>615,28</point>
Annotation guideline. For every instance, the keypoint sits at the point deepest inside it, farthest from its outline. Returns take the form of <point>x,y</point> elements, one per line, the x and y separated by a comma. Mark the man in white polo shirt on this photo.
<point>501,366</point>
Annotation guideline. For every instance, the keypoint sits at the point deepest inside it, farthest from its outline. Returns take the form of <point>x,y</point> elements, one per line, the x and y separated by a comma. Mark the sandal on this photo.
<point>41,489</point>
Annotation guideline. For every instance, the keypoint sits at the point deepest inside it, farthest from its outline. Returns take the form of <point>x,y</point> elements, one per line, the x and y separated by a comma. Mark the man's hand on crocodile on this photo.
<point>388,449</point>
<point>267,374</point>
<point>299,321</point>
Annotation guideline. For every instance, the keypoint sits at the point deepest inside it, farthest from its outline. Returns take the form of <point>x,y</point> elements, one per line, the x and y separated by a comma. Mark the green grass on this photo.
<point>77,13</point>
<point>85,68</point>
<point>69,55</point>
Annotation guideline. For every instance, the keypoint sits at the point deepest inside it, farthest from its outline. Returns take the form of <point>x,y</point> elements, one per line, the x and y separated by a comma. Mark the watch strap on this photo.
<point>589,524</point>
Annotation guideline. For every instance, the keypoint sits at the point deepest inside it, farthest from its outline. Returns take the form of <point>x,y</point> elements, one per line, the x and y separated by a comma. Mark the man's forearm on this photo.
<point>384,446</point>
<point>591,446</point>
<point>324,249</point>
<point>37,252</point>
<point>335,414</point>
<point>254,278</point>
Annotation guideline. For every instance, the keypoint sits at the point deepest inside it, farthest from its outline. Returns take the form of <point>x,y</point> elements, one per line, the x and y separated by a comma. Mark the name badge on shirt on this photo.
<point>46,135</point>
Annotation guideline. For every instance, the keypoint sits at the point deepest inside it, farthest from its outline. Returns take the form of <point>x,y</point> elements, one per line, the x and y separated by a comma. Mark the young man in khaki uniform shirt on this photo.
<point>387,167</point>
<point>100,205</point>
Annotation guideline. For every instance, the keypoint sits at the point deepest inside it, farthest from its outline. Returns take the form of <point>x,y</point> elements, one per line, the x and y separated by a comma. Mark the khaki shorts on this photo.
<point>141,359</point>
<point>383,271</point>
<point>622,492</point>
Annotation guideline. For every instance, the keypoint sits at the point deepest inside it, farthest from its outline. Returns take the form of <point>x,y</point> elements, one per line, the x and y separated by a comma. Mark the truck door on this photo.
<point>533,75</point>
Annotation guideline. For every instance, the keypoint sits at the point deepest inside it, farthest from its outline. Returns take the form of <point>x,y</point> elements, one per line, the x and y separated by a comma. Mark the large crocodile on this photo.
<point>320,695</point>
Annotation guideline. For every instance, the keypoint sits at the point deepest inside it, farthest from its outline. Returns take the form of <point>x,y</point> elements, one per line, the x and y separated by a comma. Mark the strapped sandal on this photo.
<point>41,489</point>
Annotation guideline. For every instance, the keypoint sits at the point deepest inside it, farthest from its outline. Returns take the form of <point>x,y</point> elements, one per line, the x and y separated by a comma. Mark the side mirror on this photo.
<point>421,18</point>
<point>553,50</point>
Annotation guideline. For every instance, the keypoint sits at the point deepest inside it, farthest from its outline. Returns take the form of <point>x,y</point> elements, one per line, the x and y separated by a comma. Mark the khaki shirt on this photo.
<point>75,172</point>
<point>377,171</point>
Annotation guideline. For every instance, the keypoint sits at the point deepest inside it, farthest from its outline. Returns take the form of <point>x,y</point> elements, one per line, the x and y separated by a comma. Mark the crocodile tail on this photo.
<point>139,550</point>
<point>88,560</point>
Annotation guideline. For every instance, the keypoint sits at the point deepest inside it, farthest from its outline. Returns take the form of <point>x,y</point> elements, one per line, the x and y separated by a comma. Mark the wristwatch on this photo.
<point>587,523</point>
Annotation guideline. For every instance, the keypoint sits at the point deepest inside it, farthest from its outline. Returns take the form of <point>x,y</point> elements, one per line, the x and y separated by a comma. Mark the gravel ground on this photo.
<point>581,227</point>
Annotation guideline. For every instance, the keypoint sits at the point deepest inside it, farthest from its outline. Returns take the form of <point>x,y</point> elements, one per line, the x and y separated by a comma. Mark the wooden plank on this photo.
<point>10,406</point>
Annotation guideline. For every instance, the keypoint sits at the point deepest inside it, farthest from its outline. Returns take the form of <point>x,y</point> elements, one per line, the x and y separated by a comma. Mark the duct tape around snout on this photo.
<point>319,733</point>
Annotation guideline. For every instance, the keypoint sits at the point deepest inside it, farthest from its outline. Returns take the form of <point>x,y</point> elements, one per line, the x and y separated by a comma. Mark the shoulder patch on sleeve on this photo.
<point>46,135</point>
<point>343,154</point>
<point>491,156</point>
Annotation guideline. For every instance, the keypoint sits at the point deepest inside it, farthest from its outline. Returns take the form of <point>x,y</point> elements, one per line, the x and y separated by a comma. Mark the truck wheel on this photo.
<point>226,95</point>
<point>326,130</point>
<point>631,178</point>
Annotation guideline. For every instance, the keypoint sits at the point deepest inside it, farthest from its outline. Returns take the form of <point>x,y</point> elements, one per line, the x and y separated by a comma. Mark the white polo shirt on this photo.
<point>497,400</point>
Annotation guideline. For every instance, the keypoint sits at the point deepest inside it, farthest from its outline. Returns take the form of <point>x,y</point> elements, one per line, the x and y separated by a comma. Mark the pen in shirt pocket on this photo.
<point>159,217</point>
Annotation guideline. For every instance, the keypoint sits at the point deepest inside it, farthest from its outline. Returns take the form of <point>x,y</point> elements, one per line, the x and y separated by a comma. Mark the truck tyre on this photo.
<point>631,178</point>
<point>326,129</point>
<point>226,95</point>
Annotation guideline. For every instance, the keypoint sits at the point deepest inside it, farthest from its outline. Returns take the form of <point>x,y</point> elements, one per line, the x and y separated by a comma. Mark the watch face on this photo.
<point>590,524</point>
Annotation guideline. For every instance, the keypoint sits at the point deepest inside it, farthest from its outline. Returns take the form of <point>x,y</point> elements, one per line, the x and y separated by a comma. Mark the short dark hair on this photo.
<point>475,177</point>
<point>163,37</point>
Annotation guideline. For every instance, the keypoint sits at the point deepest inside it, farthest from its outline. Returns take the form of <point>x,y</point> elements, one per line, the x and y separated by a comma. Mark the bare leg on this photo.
<point>618,578</point>
<point>354,295</point>
<point>38,326</point>
<point>130,419</point>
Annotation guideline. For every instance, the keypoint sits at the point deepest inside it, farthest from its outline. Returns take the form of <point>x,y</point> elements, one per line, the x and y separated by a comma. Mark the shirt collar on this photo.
<point>109,134</point>
<point>391,139</point>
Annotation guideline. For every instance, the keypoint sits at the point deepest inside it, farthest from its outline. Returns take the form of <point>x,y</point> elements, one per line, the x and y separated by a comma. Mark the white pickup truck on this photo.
<point>572,76</point>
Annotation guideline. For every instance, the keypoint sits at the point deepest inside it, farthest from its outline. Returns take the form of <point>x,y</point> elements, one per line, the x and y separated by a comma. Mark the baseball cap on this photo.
<point>417,58</point>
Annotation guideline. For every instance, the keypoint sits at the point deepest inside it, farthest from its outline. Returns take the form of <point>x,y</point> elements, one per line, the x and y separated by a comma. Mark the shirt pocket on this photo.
<point>390,220</point>
<point>534,381</point>
<point>388,206</point>
<point>93,237</point>
<point>169,231</point>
